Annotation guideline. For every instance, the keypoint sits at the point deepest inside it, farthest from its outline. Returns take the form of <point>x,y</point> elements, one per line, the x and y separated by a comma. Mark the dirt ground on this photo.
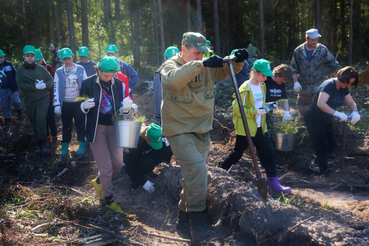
<point>38,207</point>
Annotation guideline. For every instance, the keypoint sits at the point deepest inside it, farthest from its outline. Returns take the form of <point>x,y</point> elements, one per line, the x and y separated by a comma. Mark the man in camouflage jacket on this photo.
<point>307,65</point>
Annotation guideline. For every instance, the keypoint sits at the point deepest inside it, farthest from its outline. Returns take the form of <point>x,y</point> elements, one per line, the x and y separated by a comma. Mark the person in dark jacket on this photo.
<point>35,81</point>
<point>105,98</point>
<point>149,153</point>
<point>51,142</point>
<point>8,89</point>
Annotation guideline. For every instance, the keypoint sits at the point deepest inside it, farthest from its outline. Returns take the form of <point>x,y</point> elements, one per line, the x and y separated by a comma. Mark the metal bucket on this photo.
<point>127,133</point>
<point>285,141</point>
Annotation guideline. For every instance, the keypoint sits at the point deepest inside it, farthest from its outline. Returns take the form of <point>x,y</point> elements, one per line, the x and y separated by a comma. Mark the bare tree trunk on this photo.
<point>261,27</point>
<point>128,33</point>
<point>161,29</point>
<point>317,15</point>
<point>84,20</point>
<point>216,27</point>
<point>188,15</point>
<point>117,10</point>
<point>351,13</point>
<point>51,28</point>
<point>25,21</point>
<point>35,12</point>
<point>58,36</point>
<point>136,49</point>
<point>72,39</point>
<point>199,17</point>
<point>142,40</point>
<point>98,31</point>
<point>156,35</point>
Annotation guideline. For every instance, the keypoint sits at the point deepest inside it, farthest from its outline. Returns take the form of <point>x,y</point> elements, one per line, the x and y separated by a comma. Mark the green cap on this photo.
<point>2,53</point>
<point>108,64</point>
<point>38,54</point>
<point>111,48</point>
<point>29,49</point>
<point>83,51</point>
<point>154,135</point>
<point>208,43</point>
<point>263,66</point>
<point>170,52</point>
<point>65,53</point>
<point>233,51</point>
<point>196,40</point>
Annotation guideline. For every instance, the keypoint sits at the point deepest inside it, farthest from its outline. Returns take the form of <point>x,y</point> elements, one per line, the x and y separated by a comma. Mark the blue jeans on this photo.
<point>7,98</point>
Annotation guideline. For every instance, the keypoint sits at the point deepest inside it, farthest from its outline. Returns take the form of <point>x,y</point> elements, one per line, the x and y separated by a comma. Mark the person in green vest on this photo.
<point>210,52</point>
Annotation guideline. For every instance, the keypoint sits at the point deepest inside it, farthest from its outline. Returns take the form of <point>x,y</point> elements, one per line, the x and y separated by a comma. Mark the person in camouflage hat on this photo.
<point>187,115</point>
<point>307,65</point>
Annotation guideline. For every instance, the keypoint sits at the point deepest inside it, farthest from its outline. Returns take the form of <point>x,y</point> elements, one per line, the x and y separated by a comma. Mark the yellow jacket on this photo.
<point>249,106</point>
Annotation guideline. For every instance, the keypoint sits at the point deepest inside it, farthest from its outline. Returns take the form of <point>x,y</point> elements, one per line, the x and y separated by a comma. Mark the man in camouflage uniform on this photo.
<point>307,65</point>
<point>187,116</point>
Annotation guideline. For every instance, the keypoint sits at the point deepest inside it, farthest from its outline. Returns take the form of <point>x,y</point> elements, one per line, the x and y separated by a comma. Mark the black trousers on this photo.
<point>322,136</point>
<point>50,120</point>
<point>263,147</point>
<point>72,111</point>
<point>145,163</point>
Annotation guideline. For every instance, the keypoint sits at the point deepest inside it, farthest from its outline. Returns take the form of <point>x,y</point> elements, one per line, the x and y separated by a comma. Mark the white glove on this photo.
<point>286,116</point>
<point>134,107</point>
<point>127,105</point>
<point>57,110</point>
<point>88,103</point>
<point>40,85</point>
<point>39,81</point>
<point>355,117</point>
<point>297,87</point>
<point>261,111</point>
<point>341,116</point>
<point>149,187</point>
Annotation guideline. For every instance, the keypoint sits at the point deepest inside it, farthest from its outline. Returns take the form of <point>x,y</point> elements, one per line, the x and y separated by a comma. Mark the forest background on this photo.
<point>142,29</point>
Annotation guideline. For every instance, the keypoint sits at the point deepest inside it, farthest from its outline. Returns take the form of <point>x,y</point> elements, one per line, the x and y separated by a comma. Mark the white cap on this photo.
<point>313,33</point>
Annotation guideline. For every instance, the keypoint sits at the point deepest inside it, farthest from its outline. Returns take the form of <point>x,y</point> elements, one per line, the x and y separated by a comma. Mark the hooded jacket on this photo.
<point>188,95</point>
<point>250,111</point>
<point>7,74</point>
<point>91,88</point>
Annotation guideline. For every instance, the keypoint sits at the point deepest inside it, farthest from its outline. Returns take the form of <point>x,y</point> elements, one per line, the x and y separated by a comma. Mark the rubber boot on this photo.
<point>97,187</point>
<point>199,232</point>
<point>20,114</point>
<point>110,203</point>
<point>274,188</point>
<point>39,150</point>
<point>48,142</point>
<point>44,149</point>
<point>54,143</point>
<point>65,149</point>
<point>82,148</point>
<point>7,123</point>
<point>183,225</point>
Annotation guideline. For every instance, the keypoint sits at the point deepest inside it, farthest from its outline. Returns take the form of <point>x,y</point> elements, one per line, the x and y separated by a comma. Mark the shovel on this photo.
<point>261,183</point>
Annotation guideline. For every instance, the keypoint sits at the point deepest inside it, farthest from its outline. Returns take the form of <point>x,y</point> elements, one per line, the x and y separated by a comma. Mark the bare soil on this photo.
<point>39,208</point>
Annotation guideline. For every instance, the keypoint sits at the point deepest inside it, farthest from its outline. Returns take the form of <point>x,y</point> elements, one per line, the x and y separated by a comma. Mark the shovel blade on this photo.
<point>262,185</point>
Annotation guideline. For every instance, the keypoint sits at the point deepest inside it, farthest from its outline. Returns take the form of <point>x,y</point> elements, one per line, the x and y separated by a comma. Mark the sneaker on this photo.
<point>149,187</point>
<point>279,168</point>
<point>134,185</point>
<point>114,206</point>
<point>98,189</point>
<point>315,167</point>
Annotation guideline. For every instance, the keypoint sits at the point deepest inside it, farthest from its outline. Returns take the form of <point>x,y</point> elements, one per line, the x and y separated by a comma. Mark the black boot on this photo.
<point>20,114</point>
<point>44,151</point>
<point>183,225</point>
<point>7,123</point>
<point>199,232</point>
<point>39,150</point>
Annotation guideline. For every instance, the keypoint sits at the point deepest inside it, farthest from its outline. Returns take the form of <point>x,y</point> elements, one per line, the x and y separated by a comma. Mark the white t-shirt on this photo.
<point>258,99</point>
<point>71,89</point>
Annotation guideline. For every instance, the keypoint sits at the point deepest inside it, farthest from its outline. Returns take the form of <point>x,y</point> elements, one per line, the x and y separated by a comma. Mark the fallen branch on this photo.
<point>295,226</point>
<point>170,238</point>
<point>60,174</point>
<point>221,125</point>
<point>355,185</point>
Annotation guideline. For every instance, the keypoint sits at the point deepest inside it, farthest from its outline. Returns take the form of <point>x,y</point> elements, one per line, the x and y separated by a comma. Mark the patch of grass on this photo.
<point>284,199</point>
<point>326,206</point>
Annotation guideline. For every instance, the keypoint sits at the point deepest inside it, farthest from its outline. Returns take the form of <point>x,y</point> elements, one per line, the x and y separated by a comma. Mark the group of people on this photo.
<point>184,102</point>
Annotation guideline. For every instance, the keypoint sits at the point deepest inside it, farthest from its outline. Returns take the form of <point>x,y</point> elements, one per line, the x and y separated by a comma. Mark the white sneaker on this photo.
<point>149,187</point>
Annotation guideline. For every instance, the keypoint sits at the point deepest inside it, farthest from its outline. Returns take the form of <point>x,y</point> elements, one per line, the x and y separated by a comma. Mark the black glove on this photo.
<point>242,55</point>
<point>213,61</point>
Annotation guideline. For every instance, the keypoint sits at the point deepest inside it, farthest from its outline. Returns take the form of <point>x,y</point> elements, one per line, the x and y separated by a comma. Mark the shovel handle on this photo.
<point>243,116</point>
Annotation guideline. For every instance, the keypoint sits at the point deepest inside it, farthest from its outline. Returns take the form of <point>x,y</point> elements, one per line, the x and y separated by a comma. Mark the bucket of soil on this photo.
<point>285,137</point>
